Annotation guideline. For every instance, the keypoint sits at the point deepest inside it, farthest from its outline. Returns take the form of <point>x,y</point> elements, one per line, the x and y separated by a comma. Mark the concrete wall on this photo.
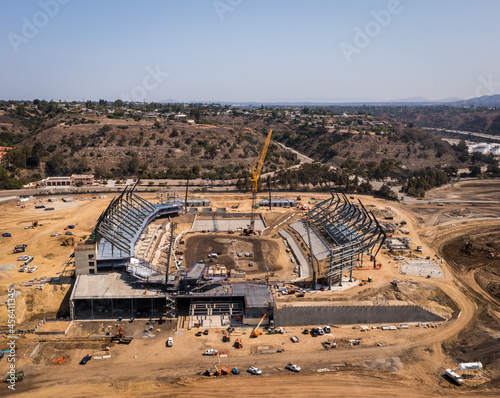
<point>85,259</point>
<point>335,315</point>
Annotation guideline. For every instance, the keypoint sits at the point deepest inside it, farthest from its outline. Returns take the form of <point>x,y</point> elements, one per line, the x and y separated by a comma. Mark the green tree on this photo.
<point>16,158</point>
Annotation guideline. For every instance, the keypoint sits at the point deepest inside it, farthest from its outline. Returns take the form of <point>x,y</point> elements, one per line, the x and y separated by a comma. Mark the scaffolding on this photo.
<point>348,229</point>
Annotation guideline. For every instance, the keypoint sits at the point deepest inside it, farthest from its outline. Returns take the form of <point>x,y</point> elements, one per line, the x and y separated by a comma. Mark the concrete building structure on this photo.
<point>58,181</point>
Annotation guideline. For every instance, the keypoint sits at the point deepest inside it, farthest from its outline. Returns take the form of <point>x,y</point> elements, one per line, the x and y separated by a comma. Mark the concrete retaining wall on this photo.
<point>335,315</point>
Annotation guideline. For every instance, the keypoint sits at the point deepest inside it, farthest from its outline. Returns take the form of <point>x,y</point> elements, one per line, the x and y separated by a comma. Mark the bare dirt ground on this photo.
<point>147,368</point>
<point>265,252</point>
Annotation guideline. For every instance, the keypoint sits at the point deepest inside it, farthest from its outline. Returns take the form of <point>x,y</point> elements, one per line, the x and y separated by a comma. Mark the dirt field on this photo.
<point>265,252</point>
<point>467,296</point>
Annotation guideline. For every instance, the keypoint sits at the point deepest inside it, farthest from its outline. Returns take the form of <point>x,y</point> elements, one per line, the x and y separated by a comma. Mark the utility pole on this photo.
<point>312,255</point>
<point>186,199</point>
<point>269,186</point>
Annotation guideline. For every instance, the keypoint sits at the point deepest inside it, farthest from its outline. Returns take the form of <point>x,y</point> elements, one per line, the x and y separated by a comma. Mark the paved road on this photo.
<point>491,137</point>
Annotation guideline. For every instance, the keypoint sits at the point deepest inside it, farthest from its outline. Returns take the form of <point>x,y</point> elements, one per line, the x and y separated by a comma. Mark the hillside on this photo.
<point>157,141</point>
<point>474,120</point>
<point>116,147</point>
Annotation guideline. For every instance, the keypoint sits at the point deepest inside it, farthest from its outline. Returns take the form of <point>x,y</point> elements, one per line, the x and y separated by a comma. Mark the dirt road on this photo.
<point>147,368</point>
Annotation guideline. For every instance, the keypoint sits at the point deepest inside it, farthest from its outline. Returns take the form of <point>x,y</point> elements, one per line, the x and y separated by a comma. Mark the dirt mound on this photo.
<point>393,364</point>
<point>7,267</point>
<point>489,281</point>
<point>479,254</point>
<point>474,257</point>
<point>479,341</point>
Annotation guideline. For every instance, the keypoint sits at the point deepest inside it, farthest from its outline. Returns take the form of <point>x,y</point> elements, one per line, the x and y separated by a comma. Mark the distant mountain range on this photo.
<point>486,100</point>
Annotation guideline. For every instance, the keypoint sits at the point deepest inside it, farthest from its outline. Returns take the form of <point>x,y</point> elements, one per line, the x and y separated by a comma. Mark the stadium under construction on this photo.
<point>115,276</point>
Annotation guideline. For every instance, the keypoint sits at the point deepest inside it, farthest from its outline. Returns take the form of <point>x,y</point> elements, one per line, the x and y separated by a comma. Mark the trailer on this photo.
<point>454,376</point>
<point>470,366</point>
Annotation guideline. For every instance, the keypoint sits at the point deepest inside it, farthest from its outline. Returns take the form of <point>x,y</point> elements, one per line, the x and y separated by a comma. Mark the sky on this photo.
<point>248,50</point>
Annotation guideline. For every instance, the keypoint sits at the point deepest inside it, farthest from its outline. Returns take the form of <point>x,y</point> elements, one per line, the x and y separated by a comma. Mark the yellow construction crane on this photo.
<point>256,170</point>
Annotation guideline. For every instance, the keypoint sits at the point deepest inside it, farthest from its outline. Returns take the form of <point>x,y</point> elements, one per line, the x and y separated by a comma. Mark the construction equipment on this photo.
<point>15,377</point>
<point>256,332</point>
<point>20,248</point>
<point>256,170</point>
<point>121,337</point>
<point>34,224</point>
<point>238,344</point>
<point>209,373</point>
<point>59,360</point>
<point>119,334</point>
<point>68,241</point>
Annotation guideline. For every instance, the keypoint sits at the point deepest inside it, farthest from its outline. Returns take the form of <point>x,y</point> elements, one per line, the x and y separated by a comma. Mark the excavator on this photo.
<point>256,170</point>
<point>121,337</point>
<point>256,332</point>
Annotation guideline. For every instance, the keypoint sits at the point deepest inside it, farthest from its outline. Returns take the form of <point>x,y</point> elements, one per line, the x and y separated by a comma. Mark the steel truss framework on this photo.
<point>121,221</point>
<point>349,229</point>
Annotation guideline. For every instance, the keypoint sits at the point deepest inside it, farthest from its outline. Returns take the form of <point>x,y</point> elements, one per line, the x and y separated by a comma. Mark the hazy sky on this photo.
<point>248,50</point>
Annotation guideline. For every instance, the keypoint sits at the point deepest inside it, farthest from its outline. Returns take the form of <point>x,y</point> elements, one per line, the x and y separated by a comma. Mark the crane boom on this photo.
<point>259,162</point>
<point>255,332</point>
<point>256,170</point>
